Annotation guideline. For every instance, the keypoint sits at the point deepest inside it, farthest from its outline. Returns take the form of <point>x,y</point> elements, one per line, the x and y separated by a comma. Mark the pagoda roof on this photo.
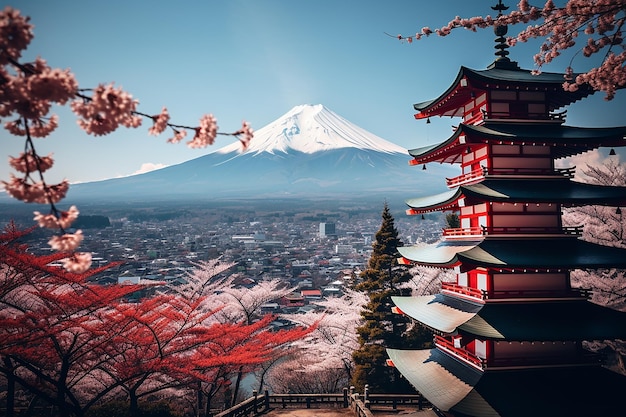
<point>533,321</point>
<point>523,190</point>
<point>452,101</point>
<point>455,387</point>
<point>564,140</point>
<point>518,253</point>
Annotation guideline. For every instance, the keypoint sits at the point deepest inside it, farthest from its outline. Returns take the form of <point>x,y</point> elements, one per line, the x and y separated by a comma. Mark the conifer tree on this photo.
<point>382,328</point>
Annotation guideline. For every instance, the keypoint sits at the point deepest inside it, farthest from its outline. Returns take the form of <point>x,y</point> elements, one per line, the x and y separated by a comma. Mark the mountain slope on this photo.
<point>310,152</point>
<point>310,129</point>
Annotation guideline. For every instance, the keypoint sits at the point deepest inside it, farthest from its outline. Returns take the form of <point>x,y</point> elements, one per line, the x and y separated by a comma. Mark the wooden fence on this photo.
<point>363,406</point>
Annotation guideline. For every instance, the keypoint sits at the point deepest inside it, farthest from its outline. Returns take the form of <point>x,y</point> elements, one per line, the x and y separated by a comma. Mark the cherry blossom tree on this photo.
<point>324,361</point>
<point>595,27</point>
<point>242,303</point>
<point>606,226</point>
<point>29,92</point>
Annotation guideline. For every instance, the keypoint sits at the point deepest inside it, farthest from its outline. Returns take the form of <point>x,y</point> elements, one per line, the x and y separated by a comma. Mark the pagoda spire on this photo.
<point>502,59</point>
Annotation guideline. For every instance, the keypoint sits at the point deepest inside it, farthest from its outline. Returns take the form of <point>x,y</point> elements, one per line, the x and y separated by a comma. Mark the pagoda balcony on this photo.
<point>463,232</point>
<point>481,173</point>
<point>532,230</point>
<point>583,358</point>
<point>460,354</point>
<point>481,231</point>
<point>461,291</point>
<point>546,172</point>
<point>470,177</point>
<point>552,117</point>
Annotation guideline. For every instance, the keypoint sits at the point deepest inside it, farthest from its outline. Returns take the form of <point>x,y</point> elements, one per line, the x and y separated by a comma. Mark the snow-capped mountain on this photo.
<point>313,128</point>
<point>310,152</point>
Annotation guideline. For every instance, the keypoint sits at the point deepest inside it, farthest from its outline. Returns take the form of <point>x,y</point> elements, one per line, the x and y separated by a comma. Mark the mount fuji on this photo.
<point>310,152</point>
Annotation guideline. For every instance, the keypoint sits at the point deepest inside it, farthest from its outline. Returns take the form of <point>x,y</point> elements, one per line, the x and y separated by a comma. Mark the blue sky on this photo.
<point>255,60</point>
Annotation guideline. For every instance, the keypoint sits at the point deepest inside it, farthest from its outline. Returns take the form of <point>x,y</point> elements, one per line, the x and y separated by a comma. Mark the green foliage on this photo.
<point>452,220</point>
<point>382,328</point>
<point>91,222</point>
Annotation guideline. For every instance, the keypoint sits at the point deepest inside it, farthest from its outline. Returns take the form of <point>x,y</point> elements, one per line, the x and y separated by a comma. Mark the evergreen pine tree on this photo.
<point>382,328</point>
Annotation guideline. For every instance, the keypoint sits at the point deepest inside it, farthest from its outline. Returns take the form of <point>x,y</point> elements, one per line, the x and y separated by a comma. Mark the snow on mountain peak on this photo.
<point>310,129</point>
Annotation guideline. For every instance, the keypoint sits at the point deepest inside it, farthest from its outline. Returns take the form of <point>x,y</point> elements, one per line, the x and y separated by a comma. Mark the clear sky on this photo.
<point>254,60</point>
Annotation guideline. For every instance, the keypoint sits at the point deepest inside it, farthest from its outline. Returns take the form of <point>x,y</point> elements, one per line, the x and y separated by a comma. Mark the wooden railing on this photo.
<point>363,406</point>
<point>468,357</point>
<point>465,178</point>
<point>524,115</point>
<point>461,232</point>
<point>461,290</point>
<point>483,172</point>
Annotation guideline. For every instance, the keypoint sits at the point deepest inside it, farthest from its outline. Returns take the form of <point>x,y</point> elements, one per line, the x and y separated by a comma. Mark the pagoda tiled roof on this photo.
<point>567,320</point>
<point>524,190</point>
<point>564,140</point>
<point>518,253</point>
<point>451,102</point>
<point>454,387</point>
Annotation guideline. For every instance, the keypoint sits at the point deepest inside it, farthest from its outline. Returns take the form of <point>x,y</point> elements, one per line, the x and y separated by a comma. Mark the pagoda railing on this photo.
<point>465,178</point>
<point>532,230</point>
<point>465,291</point>
<point>451,287</point>
<point>524,115</point>
<point>561,172</point>
<point>551,360</point>
<point>464,232</point>
<point>447,346</point>
<point>483,172</point>
<point>569,293</point>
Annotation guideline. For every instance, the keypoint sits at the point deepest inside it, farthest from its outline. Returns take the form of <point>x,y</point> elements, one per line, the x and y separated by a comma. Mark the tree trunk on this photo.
<point>10,402</point>
<point>134,403</point>
<point>237,385</point>
<point>199,399</point>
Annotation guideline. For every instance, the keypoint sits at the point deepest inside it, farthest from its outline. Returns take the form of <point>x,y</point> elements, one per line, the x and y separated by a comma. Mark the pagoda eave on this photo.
<point>564,140</point>
<point>541,190</point>
<point>455,387</point>
<point>516,253</point>
<point>542,253</point>
<point>539,320</point>
<point>448,200</point>
<point>468,81</point>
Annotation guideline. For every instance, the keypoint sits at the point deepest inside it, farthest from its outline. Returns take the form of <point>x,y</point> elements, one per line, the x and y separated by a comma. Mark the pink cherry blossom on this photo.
<point>30,162</point>
<point>66,243</point>
<point>160,122</point>
<point>245,135</point>
<point>62,220</point>
<point>15,34</point>
<point>78,263</point>
<point>38,128</point>
<point>51,84</point>
<point>106,110</point>
<point>178,136</point>
<point>601,21</point>
<point>205,133</point>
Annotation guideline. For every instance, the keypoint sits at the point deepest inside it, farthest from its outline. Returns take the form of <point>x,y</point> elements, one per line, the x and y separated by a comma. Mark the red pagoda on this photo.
<point>509,332</point>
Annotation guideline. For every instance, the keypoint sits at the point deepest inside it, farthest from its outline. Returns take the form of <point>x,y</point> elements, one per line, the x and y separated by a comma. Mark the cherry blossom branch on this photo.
<point>600,20</point>
<point>28,91</point>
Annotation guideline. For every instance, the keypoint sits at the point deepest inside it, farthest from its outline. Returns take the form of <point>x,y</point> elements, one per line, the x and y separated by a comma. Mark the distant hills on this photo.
<point>308,153</point>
